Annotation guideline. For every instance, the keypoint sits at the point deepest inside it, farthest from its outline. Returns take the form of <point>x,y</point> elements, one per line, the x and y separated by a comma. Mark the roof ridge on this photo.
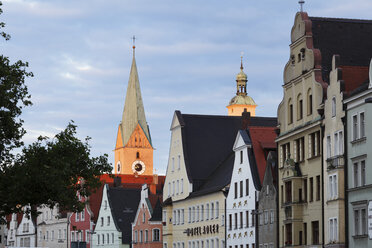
<point>340,19</point>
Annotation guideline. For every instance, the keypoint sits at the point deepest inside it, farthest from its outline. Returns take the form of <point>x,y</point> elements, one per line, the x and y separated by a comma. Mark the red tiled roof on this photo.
<point>354,76</point>
<point>262,138</point>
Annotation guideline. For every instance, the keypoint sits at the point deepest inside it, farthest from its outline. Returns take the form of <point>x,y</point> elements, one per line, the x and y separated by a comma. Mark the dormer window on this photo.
<point>241,157</point>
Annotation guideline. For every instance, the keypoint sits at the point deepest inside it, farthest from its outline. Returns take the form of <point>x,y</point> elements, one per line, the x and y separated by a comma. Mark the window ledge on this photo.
<point>357,141</point>
<point>362,236</point>
<point>314,157</point>
<point>360,188</point>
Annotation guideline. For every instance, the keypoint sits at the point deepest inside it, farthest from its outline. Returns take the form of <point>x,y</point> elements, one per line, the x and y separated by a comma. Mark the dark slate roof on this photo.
<point>208,141</point>
<point>350,38</point>
<point>124,203</point>
<point>157,211</point>
<point>220,177</point>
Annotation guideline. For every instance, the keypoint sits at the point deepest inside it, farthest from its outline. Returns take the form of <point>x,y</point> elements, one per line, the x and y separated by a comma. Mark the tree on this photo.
<point>49,171</point>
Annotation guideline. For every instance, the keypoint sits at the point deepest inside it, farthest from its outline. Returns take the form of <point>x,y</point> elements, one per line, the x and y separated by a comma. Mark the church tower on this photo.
<point>241,101</point>
<point>133,149</point>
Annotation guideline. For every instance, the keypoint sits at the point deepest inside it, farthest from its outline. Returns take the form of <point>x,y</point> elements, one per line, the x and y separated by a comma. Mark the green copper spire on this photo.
<point>134,112</point>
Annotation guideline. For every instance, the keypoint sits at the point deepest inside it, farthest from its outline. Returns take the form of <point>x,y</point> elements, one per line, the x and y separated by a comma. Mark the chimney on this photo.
<point>246,119</point>
<point>117,181</point>
<point>154,183</point>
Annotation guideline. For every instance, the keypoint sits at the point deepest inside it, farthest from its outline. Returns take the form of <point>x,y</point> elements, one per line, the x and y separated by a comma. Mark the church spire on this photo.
<point>134,112</point>
<point>241,80</point>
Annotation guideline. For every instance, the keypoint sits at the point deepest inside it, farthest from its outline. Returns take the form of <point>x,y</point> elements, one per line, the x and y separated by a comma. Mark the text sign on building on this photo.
<point>370,219</point>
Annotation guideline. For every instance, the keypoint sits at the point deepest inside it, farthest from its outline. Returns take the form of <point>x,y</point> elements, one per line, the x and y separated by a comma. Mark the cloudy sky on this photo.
<point>188,53</point>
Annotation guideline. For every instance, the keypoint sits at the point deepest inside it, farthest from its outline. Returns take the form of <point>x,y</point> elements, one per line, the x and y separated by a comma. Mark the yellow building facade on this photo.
<point>300,181</point>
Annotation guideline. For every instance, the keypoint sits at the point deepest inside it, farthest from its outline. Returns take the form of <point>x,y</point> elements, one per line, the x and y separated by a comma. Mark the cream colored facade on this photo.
<point>189,222</point>
<point>299,142</point>
<point>333,169</point>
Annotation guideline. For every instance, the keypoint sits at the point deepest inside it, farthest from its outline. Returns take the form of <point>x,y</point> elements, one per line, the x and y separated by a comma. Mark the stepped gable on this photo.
<point>124,203</point>
<point>350,38</point>
<point>208,142</point>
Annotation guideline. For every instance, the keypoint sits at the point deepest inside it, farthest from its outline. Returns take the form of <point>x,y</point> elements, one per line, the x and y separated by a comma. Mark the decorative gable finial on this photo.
<point>301,2</point>
<point>370,74</point>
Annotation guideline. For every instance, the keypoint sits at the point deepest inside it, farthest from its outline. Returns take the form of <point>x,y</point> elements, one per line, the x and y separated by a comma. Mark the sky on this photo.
<point>187,53</point>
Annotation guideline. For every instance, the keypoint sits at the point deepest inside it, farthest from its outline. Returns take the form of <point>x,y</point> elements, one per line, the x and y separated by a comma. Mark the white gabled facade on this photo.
<point>241,199</point>
<point>106,233</point>
<point>26,232</point>
<point>12,231</point>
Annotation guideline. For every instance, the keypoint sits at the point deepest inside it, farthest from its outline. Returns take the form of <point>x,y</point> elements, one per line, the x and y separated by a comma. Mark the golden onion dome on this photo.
<point>241,76</point>
<point>242,100</point>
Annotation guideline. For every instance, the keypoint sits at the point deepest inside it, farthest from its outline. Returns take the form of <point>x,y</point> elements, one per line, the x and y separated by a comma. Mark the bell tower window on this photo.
<point>137,155</point>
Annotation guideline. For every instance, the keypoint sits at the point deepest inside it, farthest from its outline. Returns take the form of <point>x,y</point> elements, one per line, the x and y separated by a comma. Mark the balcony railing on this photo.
<point>335,162</point>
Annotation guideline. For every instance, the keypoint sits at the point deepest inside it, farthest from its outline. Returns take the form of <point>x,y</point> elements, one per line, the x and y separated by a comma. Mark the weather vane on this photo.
<point>301,2</point>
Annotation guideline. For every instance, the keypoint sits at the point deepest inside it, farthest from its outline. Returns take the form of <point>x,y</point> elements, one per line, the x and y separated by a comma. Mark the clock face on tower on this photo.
<point>138,167</point>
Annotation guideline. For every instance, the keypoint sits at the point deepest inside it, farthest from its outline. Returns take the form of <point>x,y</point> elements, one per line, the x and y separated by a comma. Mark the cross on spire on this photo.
<point>301,2</point>
<point>241,60</point>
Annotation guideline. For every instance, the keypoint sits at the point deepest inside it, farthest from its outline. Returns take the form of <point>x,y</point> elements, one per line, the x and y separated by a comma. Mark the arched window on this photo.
<point>309,102</point>
<point>137,155</point>
<point>156,235</point>
<point>118,165</point>
<point>299,107</point>
<point>290,111</point>
<point>333,106</point>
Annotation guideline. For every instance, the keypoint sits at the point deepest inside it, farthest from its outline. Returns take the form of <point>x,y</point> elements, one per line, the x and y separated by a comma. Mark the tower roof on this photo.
<point>134,112</point>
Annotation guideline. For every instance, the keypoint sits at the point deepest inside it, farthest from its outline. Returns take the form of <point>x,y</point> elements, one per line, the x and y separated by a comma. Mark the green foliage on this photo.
<point>52,171</point>
<point>47,172</point>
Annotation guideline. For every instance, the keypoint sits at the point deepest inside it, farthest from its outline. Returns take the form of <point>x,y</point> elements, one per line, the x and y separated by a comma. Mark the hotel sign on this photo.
<point>370,219</point>
<point>201,230</point>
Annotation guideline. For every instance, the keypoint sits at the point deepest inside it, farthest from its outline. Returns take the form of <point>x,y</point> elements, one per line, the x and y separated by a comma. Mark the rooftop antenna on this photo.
<point>301,2</point>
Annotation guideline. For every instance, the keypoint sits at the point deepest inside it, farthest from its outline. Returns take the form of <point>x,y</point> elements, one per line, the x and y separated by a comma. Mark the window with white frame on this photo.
<point>135,236</point>
<point>359,173</point>
<point>272,216</point>
<point>178,187</point>
<point>174,187</point>
<point>212,210</point>
<point>360,219</point>
<point>197,213</point>
<point>181,185</point>
<point>146,235</point>
<point>183,216</point>
<point>358,121</point>
<point>83,215</point>
<point>169,189</point>
<point>141,236</point>
<point>156,234</point>
<point>217,209</point>
<point>207,212</point>
<point>189,214</point>
<point>164,216</point>
<point>329,147</point>
<point>332,186</point>
<point>193,214</point>
<point>362,125</point>
<point>333,229</point>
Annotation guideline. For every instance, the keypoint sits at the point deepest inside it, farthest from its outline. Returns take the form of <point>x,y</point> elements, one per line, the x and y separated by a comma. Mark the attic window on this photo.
<point>241,157</point>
